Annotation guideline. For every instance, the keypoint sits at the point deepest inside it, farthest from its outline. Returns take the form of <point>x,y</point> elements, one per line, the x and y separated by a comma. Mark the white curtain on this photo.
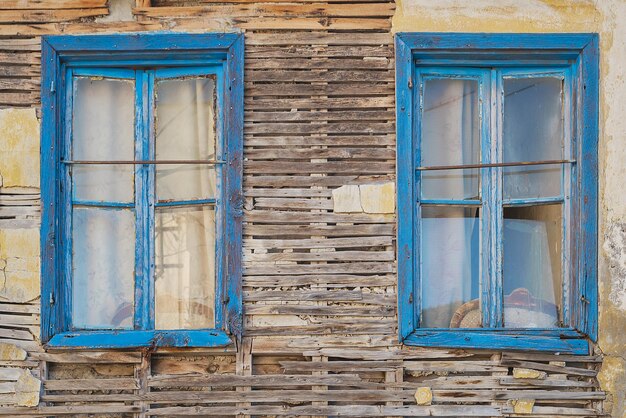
<point>450,136</point>
<point>185,236</point>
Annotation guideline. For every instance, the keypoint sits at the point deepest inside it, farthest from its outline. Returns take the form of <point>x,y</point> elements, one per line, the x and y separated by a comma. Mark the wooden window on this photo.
<point>142,170</point>
<point>497,190</point>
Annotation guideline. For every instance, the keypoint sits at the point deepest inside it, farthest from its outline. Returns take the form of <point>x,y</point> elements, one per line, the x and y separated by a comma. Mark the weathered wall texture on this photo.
<point>320,336</point>
<point>607,17</point>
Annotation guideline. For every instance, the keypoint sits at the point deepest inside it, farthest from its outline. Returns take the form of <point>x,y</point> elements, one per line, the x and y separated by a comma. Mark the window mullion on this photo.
<point>64,295</point>
<point>497,254</point>
<point>143,299</point>
<point>149,145</point>
<point>487,226</point>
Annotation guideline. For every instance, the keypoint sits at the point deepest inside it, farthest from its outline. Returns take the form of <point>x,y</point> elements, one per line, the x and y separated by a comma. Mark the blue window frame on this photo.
<point>497,138</point>
<point>85,78</point>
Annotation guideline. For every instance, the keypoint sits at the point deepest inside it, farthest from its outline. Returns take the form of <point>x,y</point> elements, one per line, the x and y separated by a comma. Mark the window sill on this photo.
<point>562,341</point>
<point>93,340</point>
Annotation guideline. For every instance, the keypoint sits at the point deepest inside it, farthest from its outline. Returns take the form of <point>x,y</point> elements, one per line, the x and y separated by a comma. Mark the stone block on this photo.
<point>27,390</point>
<point>11,352</point>
<point>347,199</point>
<point>378,197</point>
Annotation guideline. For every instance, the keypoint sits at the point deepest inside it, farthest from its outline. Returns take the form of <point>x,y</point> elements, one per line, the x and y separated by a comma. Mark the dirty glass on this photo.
<point>185,130</point>
<point>185,267</point>
<point>103,129</point>
<point>103,249</point>
<point>532,268</point>
<point>533,131</point>
<point>450,136</point>
<point>450,267</point>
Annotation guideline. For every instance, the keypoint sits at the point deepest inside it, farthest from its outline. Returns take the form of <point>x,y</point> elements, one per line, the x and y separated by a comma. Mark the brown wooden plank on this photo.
<point>52,4</point>
<point>52,15</point>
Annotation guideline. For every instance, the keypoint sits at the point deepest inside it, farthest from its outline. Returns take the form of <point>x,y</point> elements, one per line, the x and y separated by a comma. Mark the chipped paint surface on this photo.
<point>368,198</point>
<point>19,142</point>
<point>608,18</point>
<point>378,198</point>
<point>19,265</point>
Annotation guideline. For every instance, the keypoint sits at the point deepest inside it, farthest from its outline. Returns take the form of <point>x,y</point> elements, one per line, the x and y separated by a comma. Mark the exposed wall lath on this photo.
<point>320,326</point>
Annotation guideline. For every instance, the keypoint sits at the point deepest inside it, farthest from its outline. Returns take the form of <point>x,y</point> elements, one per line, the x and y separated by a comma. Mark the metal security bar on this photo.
<point>145,162</point>
<point>511,164</point>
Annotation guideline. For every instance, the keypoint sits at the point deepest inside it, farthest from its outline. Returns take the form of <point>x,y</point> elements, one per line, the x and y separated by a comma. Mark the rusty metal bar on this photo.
<point>511,164</point>
<point>144,162</point>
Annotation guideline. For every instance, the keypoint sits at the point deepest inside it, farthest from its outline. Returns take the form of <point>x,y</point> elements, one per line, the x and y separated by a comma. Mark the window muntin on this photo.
<point>470,117</point>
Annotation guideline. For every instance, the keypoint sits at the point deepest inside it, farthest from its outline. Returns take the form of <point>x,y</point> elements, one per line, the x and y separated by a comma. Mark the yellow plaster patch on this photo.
<point>521,373</point>
<point>19,148</point>
<point>496,16</point>
<point>378,198</point>
<point>19,265</point>
<point>424,396</point>
<point>523,406</point>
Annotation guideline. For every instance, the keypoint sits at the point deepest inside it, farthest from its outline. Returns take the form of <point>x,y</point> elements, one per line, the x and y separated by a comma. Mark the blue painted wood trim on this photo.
<point>142,42</point>
<point>95,340</point>
<point>488,339</point>
<point>233,188</point>
<point>178,203</point>
<point>504,49</point>
<point>405,175</point>
<point>49,159</point>
<point>495,41</point>
<point>140,51</point>
<point>588,199</point>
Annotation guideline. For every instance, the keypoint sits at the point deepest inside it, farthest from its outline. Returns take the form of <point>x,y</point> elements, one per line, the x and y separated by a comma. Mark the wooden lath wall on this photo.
<point>320,332</point>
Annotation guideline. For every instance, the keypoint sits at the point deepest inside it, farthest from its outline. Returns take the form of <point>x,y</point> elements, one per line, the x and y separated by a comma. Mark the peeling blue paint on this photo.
<point>574,57</point>
<point>138,56</point>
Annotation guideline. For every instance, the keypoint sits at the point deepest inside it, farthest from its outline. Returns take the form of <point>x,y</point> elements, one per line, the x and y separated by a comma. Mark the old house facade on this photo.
<point>305,117</point>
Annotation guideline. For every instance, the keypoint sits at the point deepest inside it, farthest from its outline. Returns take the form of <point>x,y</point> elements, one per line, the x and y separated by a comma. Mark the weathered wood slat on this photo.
<point>286,217</point>
<point>319,76</point>
<point>321,256</point>
<point>342,115</point>
<point>52,4</point>
<point>48,15</point>
<point>314,140</point>
<point>328,281</point>
<point>344,167</point>
<point>358,242</point>
<point>319,38</point>
<point>319,51</point>
<point>264,9</point>
<point>366,63</point>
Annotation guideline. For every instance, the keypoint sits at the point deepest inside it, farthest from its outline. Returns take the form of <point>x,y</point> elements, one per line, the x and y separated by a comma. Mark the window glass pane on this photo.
<point>185,130</point>
<point>103,129</point>
<point>533,131</point>
<point>532,277</point>
<point>185,268</point>
<point>103,258</point>
<point>450,270</point>
<point>450,136</point>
